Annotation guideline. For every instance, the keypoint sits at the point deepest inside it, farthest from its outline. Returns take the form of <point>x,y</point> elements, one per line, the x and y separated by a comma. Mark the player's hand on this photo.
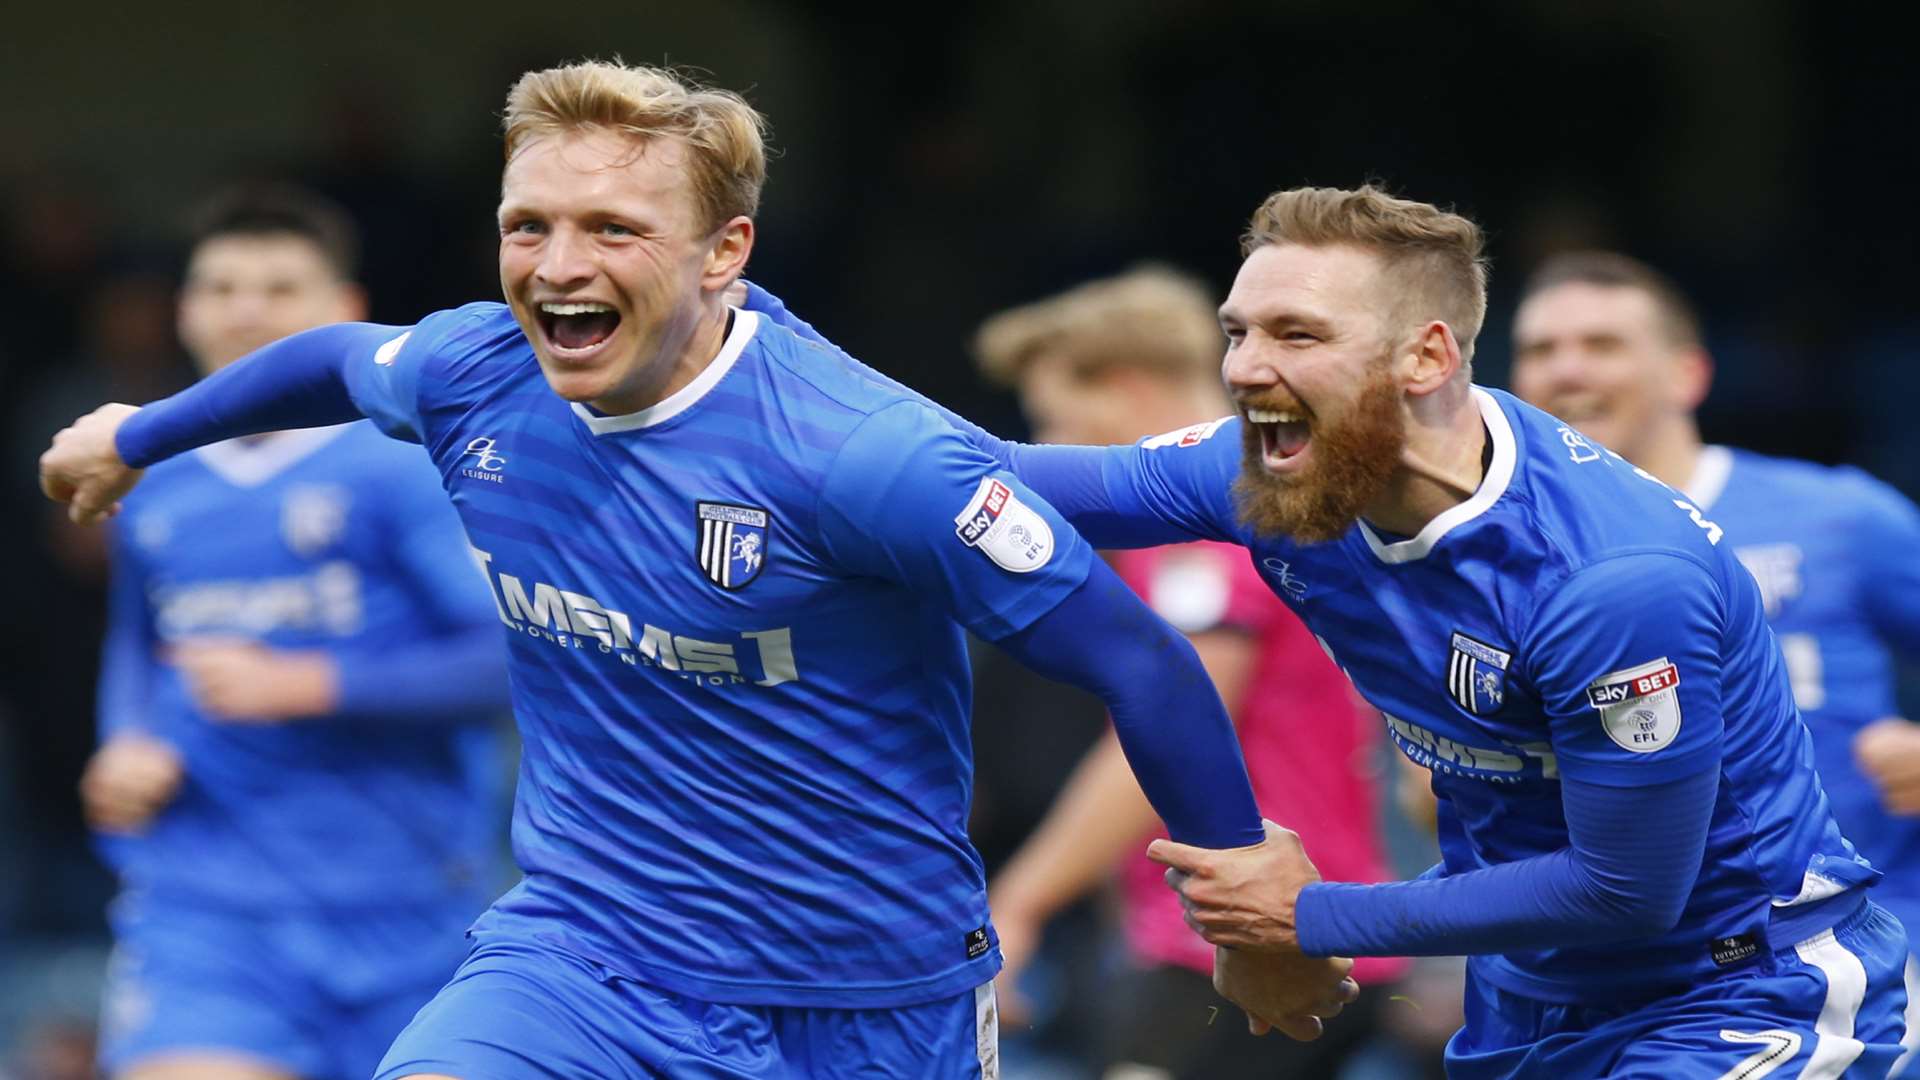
<point>1242,898</point>
<point>1290,992</point>
<point>83,468</point>
<point>1019,940</point>
<point>1888,752</point>
<point>128,780</point>
<point>245,682</point>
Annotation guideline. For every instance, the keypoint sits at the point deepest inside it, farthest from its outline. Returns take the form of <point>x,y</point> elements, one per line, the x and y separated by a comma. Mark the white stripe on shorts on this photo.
<point>1911,1040</point>
<point>1846,989</point>
<point>986,1029</point>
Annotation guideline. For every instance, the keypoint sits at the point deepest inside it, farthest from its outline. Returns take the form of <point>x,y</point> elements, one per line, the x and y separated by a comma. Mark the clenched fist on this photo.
<point>83,468</point>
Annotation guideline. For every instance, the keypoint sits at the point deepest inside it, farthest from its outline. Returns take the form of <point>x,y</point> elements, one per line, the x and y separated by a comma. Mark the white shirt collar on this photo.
<point>253,460</point>
<point>1710,472</point>
<point>1492,486</point>
<point>744,325</point>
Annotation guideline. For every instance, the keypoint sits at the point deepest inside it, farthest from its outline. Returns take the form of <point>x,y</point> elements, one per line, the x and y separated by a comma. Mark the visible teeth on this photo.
<point>576,309</point>
<point>1273,416</point>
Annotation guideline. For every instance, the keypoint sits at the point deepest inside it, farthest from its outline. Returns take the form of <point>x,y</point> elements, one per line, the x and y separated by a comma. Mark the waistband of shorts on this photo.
<point>1793,925</point>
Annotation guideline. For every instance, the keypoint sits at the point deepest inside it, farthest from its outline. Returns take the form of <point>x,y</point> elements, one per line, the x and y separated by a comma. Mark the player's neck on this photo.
<point>1441,467</point>
<point>681,359</point>
<point>1672,453</point>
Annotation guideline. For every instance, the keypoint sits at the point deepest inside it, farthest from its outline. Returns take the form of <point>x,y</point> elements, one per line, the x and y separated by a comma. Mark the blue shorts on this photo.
<point>319,996</point>
<point>518,1010</point>
<point>1831,1006</point>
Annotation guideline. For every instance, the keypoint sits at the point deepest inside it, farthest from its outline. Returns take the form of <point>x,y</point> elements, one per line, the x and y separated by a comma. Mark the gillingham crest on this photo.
<point>732,545</point>
<point>1477,675</point>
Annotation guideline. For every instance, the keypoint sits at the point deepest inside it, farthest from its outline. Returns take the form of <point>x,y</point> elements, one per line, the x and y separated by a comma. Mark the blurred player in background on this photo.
<point>1638,859</point>
<point>1110,362</point>
<point>734,567</point>
<point>300,767</point>
<point>1614,348</point>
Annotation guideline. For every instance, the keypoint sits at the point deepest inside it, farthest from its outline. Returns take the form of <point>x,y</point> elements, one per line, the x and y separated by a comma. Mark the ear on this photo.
<point>1692,377</point>
<point>727,255</point>
<point>1433,360</point>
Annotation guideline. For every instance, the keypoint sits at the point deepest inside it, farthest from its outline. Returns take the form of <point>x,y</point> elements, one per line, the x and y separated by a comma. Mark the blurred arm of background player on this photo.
<point>136,771</point>
<point>1100,816</point>
<point>1888,750</point>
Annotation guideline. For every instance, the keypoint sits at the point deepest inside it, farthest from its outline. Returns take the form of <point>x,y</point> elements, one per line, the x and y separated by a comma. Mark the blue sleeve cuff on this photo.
<point>1615,881</point>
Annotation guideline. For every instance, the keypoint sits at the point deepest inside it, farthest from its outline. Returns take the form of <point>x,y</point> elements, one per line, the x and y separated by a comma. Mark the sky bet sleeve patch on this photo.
<point>1639,706</point>
<point>1004,529</point>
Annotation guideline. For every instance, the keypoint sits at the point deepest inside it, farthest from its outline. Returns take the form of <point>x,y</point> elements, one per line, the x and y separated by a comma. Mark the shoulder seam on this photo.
<point>1610,557</point>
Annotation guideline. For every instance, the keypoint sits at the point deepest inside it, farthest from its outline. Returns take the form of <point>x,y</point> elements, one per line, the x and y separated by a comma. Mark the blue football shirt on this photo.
<point>333,539</point>
<point>1575,617</point>
<point>1833,552</point>
<point>737,654</point>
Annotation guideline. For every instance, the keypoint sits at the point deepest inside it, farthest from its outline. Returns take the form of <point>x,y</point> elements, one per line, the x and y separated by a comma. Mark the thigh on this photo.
<point>518,1010</point>
<point>184,987</point>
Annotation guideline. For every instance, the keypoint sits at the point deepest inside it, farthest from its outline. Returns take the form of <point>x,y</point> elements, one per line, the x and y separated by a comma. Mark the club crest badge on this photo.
<point>732,547</point>
<point>1477,675</point>
<point>313,518</point>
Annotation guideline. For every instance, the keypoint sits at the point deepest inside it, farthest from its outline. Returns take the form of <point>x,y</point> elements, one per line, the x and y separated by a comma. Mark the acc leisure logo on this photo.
<point>1639,706</point>
<point>490,461</point>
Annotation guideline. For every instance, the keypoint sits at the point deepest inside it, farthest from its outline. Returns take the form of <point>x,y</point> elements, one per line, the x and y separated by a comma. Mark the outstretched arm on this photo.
<point>1116,496</point>
<point>300,381</point>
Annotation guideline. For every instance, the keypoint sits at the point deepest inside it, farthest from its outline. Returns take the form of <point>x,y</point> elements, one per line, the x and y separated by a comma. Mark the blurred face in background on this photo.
<point>245,290</point>
<point>604,260</point>
<point>1601,358</point>
<point>1066,403</point>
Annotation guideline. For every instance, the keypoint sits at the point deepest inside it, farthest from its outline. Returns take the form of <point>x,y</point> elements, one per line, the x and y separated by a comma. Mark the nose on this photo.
<point>1248,367</point>
<point>565,259</point>
<point>1561,369</point>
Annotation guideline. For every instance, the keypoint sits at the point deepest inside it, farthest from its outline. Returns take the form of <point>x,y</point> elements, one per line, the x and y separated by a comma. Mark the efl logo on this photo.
<point>1639,706</point>
<point>1634,685</point>
<point>998,525</point>
<point>976,526</point>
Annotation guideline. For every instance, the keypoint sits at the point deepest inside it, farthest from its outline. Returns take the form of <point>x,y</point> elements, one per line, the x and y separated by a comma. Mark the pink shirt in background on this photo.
<point>1311,744</point>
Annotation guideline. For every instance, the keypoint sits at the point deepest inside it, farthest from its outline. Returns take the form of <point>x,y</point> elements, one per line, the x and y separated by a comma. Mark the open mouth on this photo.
<point>1284,434</point>
<point>578,327</point>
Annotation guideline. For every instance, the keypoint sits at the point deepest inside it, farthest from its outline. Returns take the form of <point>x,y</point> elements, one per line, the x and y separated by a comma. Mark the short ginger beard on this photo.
<point>1353,460</point>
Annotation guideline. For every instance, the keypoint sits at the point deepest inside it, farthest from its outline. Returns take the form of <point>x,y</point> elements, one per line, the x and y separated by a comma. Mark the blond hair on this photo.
<point>1436,258</point>
<point>1150,317</point>
<point>724,136</point>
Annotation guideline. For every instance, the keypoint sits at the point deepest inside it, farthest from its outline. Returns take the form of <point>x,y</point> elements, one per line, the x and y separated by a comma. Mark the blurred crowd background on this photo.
<point>933,167</point>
